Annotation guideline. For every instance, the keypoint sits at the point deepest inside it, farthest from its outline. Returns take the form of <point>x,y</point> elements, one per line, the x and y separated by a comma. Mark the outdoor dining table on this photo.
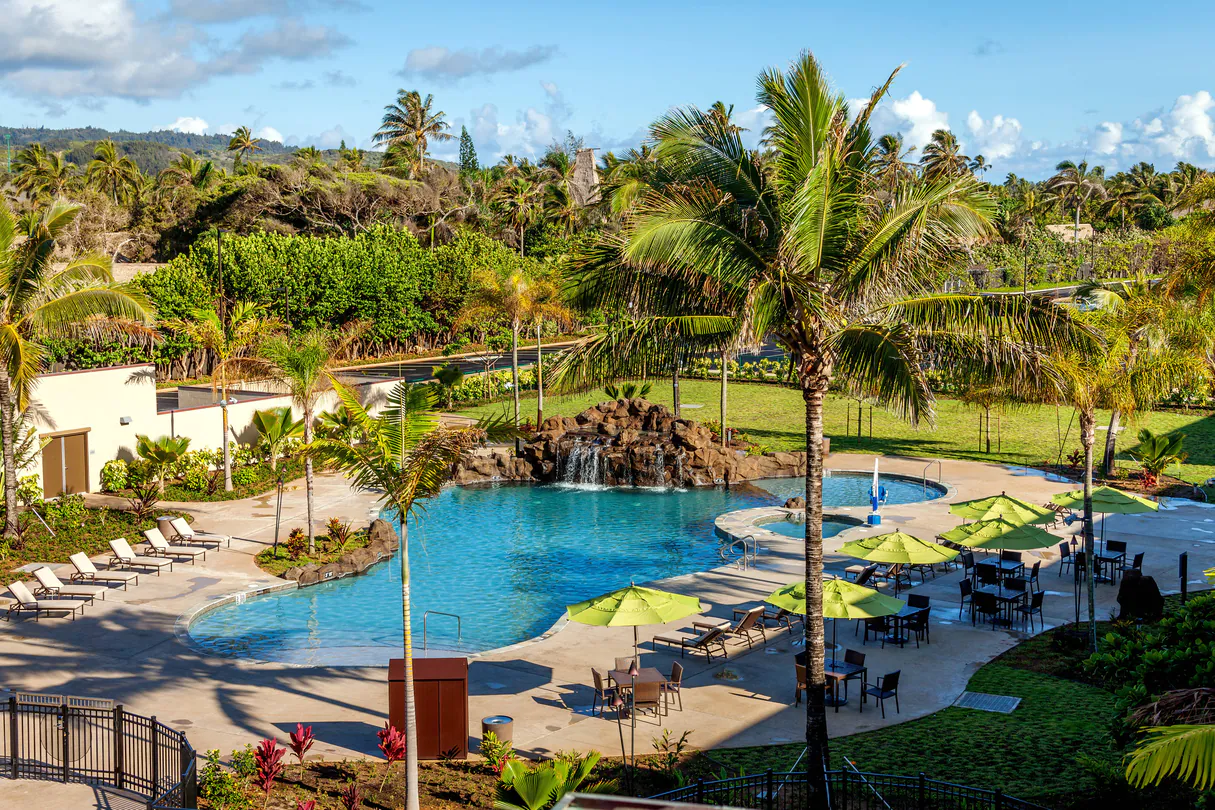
<point>1007,567</point>
<point>837,671</point>
<point>1007,599</point>
<point>644,675</point>
<point>898,623</point>
<point>1108,562</point>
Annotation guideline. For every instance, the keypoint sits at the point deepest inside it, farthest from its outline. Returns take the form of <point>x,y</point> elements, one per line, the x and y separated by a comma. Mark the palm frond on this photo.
<point>1185,752</point>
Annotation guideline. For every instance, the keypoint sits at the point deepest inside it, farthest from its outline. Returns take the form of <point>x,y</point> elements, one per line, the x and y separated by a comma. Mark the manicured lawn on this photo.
<point>774,416</point>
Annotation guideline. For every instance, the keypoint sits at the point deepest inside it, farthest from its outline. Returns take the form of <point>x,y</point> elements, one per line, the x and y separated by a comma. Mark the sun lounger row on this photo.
<point>749,624</point>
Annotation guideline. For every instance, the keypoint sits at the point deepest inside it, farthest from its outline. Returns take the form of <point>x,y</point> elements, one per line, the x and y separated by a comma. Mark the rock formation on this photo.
<point>382,543</point>
<point>628,443</point>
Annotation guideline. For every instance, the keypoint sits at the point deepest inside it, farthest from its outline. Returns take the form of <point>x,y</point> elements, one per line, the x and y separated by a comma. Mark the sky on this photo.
<point>1025,84</point>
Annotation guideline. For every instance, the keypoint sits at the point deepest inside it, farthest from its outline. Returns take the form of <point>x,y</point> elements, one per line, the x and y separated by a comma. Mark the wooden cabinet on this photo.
<point>441,700</point>
<point>65,464</point>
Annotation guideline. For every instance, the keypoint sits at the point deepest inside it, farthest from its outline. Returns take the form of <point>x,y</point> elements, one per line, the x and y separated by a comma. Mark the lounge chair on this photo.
<point>161,548</point>
<point>745,628</point>
<point>712,638</point>
<point>51,586</point>
<point>772,618</point>
<point>26,603</point>
<point>187,534</point>
<point>124,557</point>
<point>87,572</point>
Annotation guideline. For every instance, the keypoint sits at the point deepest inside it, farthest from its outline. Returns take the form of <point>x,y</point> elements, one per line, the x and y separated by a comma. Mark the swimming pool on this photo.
<point>506,559</point>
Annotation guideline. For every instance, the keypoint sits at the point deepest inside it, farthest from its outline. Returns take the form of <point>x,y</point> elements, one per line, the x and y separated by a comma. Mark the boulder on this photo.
<point>796,503</point>
<point>382,534</point>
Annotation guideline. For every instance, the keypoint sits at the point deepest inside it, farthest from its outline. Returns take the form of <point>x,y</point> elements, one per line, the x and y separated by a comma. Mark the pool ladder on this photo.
<point>747,558</point>
<point>426,616</point>
<point>940,473</point>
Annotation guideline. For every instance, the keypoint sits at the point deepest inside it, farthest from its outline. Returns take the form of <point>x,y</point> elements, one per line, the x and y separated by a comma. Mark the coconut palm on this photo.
<point>243,144</point>
<point>520,200</point>
<point>189,171</point>
<point>893,168</point>
<point>228,340</point>
<point>275,427</point>
<point>39,300</point>
<point>1178,740</point>
<point>161,454</point>
<point>411,120</point>
<point>1122,197</point>
<point>942,157</point>
<point>978,165</point>
<point>1074,184</point>
<point>52,176</point>
<point>405,457</point>
<point>113,173</point>
<point>798,252</point>
<point>26,165</point>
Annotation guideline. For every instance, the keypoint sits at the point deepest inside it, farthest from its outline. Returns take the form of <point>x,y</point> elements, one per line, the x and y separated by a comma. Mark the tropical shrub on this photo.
<point>1156,453</point>
<point>114,475</point>
<point>296,543</point>
<point>275,430</point>
<point>218,786</point>
<point>495,752</point>
<point>448,376</point>
<point>540,786</point>
<point>393,746</point>
<point>339,533</point>
<point>244,476</point>
<point>66,511</point>
<point>269,760</point>
<point>29,489</point>
<point>628,390</point>
<point>161,454</point>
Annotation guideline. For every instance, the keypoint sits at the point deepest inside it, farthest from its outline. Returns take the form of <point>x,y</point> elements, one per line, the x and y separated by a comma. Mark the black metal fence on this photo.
<point>847,790</point>
<point>90,741</point>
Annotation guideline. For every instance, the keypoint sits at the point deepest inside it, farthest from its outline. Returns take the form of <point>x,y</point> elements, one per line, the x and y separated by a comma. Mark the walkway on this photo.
<point>127,649</point>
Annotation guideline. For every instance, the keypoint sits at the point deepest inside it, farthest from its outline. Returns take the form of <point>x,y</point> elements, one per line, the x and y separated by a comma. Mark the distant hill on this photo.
<point>181,140</point>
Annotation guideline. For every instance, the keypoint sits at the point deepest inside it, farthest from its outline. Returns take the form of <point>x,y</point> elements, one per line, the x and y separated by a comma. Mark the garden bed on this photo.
<point>292,552</point>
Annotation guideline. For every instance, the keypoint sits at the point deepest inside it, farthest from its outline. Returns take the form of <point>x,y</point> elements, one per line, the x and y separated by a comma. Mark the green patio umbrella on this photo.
<point>1005,507</point>
<point>841,600</point>
<point>1000,534</point>
<point>632,607</point>
<point>898,547</point>
<point>1108,501</point>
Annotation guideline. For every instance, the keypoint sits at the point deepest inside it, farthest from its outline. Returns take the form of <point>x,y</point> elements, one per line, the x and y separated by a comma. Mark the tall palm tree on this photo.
<point>411,120</point>
<point>243,144</point>
<point>1122,197</point>
<point>978,165</point>
<point>798,252</point>
<point>187,171</point>
<point>942,157</point>
<point>26,165</point>
<point>54,177</point>
<point>111,172</point>
<point>893,168</point>
<point>520,200</point>
<point>238,337</point>
<point>39,301</point>
<point>405,457</point>
<point>623,180</point>
<point>304,364</point>
<point>1074,184</point>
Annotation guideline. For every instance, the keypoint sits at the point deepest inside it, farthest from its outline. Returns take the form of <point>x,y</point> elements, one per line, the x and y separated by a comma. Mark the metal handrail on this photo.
<point>459,626</point>
<point>940,473</point>
<point>742,560</point>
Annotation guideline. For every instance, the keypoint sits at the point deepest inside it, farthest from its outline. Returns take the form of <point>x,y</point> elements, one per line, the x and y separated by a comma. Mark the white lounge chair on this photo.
<point>187,534</point>
<point>50,585</point>
<point>26,603</point>
<point>160,546</point>
<point>124,557</point>
<point>87,572</point>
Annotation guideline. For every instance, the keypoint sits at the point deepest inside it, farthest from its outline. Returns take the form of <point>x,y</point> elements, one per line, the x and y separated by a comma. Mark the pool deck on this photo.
<point>128,647</point>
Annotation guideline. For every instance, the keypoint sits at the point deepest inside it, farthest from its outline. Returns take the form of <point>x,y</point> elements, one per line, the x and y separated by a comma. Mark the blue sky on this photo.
<point>1026,84</point>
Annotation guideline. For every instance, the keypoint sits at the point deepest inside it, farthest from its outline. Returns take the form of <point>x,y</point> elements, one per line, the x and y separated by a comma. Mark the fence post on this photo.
<point>13,728</point>
<point>189,785</point>
<point>922,793</point>
<point>999,800</point>
<point>700,790</point>
<point>119,765</point>
<point>155,757</point>
<point>771,800</point>
<point>63,715</point>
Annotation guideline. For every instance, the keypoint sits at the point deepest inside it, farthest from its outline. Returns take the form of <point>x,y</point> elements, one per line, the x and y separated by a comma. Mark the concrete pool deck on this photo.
<point>126,647</point>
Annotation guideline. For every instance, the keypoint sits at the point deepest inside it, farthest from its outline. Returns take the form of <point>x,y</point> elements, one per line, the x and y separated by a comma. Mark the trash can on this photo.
<point>165,524</point>
<point>440,687</point>
<point>502,726</point>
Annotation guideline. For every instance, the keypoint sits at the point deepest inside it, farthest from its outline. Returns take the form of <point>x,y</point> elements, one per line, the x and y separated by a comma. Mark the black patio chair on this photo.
<point>1065,557</point>
<point>879,626</point>
<point>887,686</point>
<point>987,574</point>
<point>917,625</point>
<point>1136,564</point>
<point>985,604</point>
<point>968,591</point>
<point>1034,608</point>
<point>918,600</point>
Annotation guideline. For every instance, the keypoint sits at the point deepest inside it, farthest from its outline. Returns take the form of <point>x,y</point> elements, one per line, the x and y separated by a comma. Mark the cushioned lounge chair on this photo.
<point>161,548</point>
<point>745,629</point>
<point>52,587</point>
<point>124,557</point>
<point>87,572</point>
<point>188,534</point>
<point>706,642</point>
<point>26,603</point>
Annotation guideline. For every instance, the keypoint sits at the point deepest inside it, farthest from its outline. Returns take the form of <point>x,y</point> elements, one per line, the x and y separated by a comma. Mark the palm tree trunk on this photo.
<point>724,378</point>
<point>1111,445</point>
<point>308,494</point>
<point>675,381</point>
<point>10,455</point>
<point>1088,437</point>
<point>223,392</point>
<point>412,801</point>
<point>514,365</point>
<point>539,378</point>
<point>816,713</point>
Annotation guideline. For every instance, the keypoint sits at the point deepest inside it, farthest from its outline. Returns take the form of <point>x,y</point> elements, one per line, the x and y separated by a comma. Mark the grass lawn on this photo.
<point>774,416</point>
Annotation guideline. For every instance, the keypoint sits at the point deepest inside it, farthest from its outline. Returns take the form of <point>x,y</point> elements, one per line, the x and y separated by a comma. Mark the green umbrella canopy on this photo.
<point>898,547</point>
<point>1000,534</point>
<point>633,606</point>
<point>841,600</point>
<point>1005,507</point>
<point>1108,501</point>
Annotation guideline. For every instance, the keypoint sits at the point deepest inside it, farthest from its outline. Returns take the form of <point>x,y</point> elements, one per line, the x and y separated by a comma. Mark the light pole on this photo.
<point>223,404</point>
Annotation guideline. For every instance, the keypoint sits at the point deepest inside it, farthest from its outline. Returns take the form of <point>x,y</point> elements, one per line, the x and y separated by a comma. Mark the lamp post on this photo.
<point>223,404</point>
<point>278,514</point>
<point>633,673</point>
<point>618,705</point>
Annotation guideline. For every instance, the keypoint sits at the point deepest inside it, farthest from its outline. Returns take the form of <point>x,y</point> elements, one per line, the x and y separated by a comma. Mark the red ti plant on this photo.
<point>301,740</point>
<point>308,805</point>
<point>269,760</point>
<point>351,797</point>
<point>392,745</point>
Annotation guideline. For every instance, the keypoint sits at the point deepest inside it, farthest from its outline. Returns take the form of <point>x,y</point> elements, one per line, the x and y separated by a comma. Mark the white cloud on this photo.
<point>914,117</point>
<point>188,124</point>
<point>443,64</point>
<point>1107,137</point>
<point>72,49</point>
<point>995,139</point>
<point>1187,131</point>
<point>269,134</point>
<point>528,136</point>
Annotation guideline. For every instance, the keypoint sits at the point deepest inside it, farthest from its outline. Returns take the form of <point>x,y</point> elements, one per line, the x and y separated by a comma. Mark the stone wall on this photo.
<point>382,543</point>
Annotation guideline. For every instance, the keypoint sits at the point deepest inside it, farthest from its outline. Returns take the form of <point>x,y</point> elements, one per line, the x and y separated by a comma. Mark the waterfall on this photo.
<point>658,468</point>
<point>677,477</point>
<point>584,465</point>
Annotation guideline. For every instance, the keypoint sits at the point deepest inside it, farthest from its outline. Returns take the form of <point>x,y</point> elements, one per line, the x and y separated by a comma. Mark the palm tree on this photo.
<point>187,170</point>
<point>243,144</point>
<point>893,168</point>
<point>305,365</point>
<point>110,172</point>
<point>161,454</point>
<point>798,252</point>
<point>503,292</point>
<point>309,156</point>
<point>26,165</point>
<point>623,180</point>
<point>520,201</point>
<point>942,157</point>
<point>40,300</point>
<point>1074,184</point>
<point>275,427</point>
<point>227,341</point>
<point>405,457</point>
<point>1178,741</point>
<point>410,120</point>
<point>978,164</point>
<point>1122,197</point>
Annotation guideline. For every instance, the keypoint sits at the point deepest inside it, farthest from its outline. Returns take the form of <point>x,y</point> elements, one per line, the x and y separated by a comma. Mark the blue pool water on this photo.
<point>506,559</point>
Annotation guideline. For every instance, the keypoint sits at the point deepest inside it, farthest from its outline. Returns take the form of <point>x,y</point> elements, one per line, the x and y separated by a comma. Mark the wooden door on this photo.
<point>65,464</point>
